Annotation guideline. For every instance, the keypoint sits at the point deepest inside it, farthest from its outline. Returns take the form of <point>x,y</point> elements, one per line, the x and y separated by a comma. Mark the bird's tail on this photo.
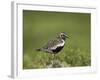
<point>38,49</point>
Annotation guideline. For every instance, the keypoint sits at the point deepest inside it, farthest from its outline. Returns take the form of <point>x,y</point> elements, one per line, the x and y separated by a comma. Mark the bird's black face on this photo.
<point>63,36</point>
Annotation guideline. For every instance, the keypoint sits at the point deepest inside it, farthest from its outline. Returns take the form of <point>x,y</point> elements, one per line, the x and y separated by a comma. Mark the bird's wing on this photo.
<point>52,44</point>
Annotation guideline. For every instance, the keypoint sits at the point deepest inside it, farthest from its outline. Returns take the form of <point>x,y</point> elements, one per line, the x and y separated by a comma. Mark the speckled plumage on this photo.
<point>54,46</point>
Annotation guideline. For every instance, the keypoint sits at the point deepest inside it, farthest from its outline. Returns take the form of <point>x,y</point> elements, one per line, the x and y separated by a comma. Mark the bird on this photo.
<point>56,45</point>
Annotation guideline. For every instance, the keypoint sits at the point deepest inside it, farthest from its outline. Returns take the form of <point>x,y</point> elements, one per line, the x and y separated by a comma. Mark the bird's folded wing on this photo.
<point>53,44</point>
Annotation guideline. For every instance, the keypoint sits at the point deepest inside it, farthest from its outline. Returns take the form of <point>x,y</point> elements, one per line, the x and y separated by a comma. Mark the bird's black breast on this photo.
<point>57,49</point>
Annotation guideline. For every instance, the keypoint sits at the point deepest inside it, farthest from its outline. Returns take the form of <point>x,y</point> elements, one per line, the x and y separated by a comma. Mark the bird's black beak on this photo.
<point>67,36</point>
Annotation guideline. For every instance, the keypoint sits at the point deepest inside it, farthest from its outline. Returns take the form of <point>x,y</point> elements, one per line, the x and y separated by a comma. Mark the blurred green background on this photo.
<point>42,26</point>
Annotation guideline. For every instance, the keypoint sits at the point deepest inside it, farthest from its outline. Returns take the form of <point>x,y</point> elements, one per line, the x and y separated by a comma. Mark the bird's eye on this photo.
<point>61,35</point>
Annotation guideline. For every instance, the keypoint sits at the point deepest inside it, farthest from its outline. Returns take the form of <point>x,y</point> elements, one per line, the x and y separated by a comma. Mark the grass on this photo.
<point>71,57</point>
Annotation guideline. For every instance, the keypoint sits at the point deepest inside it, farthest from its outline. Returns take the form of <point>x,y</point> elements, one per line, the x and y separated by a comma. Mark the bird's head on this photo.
<point>62,35</point>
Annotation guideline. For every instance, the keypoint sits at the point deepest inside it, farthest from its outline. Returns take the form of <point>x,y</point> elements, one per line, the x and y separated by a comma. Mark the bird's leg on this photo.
<point>54,56</point>
<point>52,60</point>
